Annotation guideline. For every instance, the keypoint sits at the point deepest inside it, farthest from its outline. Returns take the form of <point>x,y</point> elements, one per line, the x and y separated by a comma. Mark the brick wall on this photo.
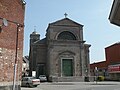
<point>11,10</point>
<point>113,53</point>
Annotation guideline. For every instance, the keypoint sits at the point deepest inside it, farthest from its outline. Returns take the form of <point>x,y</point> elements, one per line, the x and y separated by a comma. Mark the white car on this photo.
<point>30,81</point>
<point>43,78</point>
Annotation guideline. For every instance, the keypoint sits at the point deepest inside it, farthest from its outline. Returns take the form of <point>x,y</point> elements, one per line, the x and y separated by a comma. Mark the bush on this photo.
<point>100,78</point>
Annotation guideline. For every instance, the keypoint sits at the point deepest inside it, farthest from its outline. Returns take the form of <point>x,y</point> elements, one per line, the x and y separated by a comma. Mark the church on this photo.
<point>62,55</point>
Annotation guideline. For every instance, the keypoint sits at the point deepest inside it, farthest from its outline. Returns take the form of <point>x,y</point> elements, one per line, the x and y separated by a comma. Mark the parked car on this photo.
<point>30,81</point>
<point>43,78</point>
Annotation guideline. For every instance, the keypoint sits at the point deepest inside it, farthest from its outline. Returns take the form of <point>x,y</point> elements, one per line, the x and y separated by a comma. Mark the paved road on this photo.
<point>77,86</point>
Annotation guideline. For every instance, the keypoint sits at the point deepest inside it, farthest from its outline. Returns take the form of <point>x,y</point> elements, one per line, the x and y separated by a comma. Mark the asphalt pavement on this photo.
<point>76,86</point>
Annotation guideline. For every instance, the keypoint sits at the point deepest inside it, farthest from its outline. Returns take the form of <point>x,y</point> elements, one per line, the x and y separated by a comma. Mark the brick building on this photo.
<point>101,67</point>
<point>112,64</point>
<point>12,10</point>
<point>111,67</point>
<point>62,55</point>
<point>113,57</point>
<point>114,18</point>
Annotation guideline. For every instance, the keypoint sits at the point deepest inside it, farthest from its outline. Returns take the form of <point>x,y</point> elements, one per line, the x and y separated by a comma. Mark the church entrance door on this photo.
<point>67,67</point>
<point>40,70</point>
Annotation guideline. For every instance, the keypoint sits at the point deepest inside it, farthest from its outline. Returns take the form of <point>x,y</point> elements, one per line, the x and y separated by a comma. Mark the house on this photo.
<point>10,50</point>
<point>25,66</point>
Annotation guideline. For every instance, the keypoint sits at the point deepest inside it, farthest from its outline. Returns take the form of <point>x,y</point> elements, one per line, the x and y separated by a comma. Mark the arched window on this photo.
<point>66,35</point>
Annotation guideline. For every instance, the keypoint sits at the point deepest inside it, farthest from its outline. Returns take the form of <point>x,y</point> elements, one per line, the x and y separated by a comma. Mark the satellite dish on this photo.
<point>5,22</point>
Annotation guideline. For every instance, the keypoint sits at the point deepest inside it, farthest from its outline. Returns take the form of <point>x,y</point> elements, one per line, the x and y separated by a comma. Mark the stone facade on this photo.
<point>62,55</point>
<point>12,10</point>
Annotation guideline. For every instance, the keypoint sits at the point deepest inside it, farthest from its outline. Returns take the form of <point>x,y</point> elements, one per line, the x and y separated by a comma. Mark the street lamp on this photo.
<point>96,73</point>
<point>5,23</point>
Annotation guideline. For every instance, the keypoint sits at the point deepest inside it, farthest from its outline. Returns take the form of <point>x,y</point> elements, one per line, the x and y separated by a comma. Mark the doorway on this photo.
<point>67,67</point>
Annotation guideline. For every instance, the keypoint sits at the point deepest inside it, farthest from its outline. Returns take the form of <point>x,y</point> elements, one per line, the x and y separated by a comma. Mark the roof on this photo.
<point>34,32</point>
<point>42,41</point>
<point>115,44</point>
<point>26,59</point>
<point>114,16</point>
<point>102,64</point>
<point>66,22</point>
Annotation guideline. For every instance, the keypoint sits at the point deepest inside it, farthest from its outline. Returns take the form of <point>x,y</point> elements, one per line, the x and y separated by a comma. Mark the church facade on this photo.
<point>62,55</point>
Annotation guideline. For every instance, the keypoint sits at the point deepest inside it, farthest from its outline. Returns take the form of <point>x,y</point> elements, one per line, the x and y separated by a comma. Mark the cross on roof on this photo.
<point>66,15</point>
<point>34,28</point>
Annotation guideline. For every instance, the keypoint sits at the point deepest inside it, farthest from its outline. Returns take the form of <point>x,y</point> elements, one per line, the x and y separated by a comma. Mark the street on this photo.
<point>77,86</point>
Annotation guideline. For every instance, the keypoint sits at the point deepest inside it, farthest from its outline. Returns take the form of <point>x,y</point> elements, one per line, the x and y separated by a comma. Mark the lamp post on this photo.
<point>5,23</point>
<point>96,73</point>
<point>16,55</point>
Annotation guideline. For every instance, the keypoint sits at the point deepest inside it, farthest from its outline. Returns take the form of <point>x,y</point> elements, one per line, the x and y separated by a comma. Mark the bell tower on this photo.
<point>34,37</point>
<point>32,57</point>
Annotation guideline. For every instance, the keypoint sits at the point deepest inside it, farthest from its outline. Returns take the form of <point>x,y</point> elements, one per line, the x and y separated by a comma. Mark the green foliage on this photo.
<point>100,78</point>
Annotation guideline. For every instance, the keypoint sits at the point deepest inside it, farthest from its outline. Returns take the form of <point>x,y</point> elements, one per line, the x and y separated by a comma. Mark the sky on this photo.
<point>93,14</point>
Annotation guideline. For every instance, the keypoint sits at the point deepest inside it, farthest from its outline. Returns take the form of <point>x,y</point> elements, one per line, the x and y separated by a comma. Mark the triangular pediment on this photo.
<point>65,22</point>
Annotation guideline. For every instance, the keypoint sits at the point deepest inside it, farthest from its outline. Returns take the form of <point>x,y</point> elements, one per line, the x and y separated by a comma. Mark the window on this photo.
<point>66,36</point>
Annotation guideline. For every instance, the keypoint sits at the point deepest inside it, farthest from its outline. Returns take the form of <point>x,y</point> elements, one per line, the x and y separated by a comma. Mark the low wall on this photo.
<point>67,79</point>
<point>9,86</point>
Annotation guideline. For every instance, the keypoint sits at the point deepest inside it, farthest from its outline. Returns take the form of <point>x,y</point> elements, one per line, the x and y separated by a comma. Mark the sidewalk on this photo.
<point>76,86</point>
<point>85,83</point>
<point>8,86</point>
